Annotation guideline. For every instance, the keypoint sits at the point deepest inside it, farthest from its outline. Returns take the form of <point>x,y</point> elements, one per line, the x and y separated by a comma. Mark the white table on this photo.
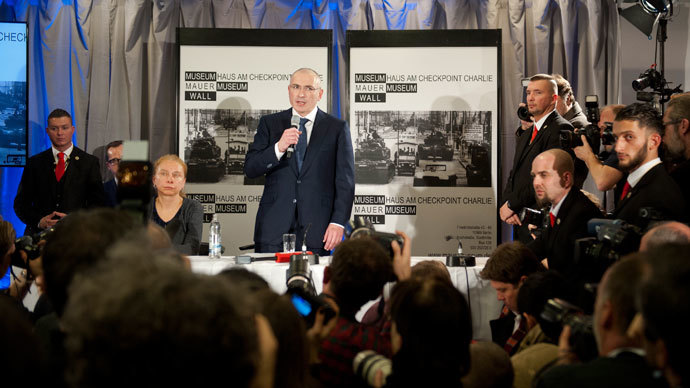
<point>483,300</point>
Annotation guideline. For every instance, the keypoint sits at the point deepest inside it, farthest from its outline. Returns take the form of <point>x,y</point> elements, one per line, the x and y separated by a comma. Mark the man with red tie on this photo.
<point>553,173</point>
<point>58,180</point>
<point>638,129</point>
<point>543,134</point>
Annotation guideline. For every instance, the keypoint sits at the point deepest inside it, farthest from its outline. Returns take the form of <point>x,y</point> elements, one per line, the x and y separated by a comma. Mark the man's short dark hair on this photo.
<point>509,262</point>
<point>537,289</point>
<point>358,271</point>
<point>78,242</point>
<point>142,317</point>
<point>113,144</point>
<point>644,114</point>
<point>58,113</point>
<point>545,77</point>
<point>564,89</point>
<point>663,302</point>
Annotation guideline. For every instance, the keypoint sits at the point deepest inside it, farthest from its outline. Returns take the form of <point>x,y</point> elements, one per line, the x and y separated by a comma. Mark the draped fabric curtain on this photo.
<point>112,62</point>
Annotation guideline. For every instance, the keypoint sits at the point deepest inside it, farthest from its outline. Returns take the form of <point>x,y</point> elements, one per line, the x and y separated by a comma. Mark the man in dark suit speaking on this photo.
<point>542,94</point>
<point>314,185</point>
<point>59,180</point>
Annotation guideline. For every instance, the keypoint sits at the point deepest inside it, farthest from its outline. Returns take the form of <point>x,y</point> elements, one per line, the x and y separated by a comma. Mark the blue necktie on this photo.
<point>301,148</point>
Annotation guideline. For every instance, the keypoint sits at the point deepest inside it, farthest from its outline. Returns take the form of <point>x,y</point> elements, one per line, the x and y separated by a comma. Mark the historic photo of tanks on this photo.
<point>13,123</point>
<point>423,148</point>
<point>216,143</point>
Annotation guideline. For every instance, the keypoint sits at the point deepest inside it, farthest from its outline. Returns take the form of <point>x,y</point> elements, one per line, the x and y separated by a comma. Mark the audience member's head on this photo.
<point>542,94</point>
<point>357,273</point>
<point>430,268</point>
<point>490,367</point>
<point>537,289</point>
<point>78,242</point>
<point>638,129</point>
<point>608,114</point>
<point>158,237</point>
<point>431,333</point>
<point>288,326</point>
<point>21,359</point>
<point>663,301</point>
<point>664,233</point>
<point>677,127</point>
<point>141,317</point>
<point>507,268</point>
<point>566,98</point>
<point>7,237</point>
<point>244,278</point>
<point>614,307</point>
<point>552,176</point>
<point>113,152</point>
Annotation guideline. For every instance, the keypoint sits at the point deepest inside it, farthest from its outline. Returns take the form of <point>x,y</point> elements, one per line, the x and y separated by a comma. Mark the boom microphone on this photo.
<point>294,122</point>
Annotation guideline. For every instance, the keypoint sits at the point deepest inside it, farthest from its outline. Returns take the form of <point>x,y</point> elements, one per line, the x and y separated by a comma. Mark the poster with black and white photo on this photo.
<point>423,115</point>
<point>13,94</point>
<point>228,79</point>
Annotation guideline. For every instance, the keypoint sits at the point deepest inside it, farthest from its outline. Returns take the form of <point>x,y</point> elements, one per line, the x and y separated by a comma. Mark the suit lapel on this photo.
<point>540,135</point>
<point>318,133</point>
<point>644,181</point>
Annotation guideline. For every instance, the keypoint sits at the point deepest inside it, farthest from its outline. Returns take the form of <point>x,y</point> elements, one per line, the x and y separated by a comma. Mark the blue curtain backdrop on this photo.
<point>111,63</point>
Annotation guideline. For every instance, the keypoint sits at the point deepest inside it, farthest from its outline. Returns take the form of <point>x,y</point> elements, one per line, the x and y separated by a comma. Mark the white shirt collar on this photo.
<point>555,208</point>
<point>540,123</point>
<point>67,152</point>
<point>311,116</point>
<point>615,352</point>
<point>635,176</point>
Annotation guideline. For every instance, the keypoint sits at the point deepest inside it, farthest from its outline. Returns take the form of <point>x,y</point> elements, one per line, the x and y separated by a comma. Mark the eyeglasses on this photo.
<point>176,175</point>
<point>306,89</point>
<point>674,122</point>
<point>114,161</point>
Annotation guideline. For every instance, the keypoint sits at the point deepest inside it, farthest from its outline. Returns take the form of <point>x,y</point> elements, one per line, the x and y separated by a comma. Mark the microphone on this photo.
<point>304,240</point>
<point>448,238</point>
<point>294,122</point>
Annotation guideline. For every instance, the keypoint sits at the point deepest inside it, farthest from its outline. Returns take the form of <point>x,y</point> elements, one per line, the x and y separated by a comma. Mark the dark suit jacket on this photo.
<point>519,191</point>
<point>39,193</point>
<point>321,193</point>
<point>625,370</point>
<point>502,330</point>
<point>682,177</point>
<point>110,188</point>
<point>557,243</point>
<point>657,190</point>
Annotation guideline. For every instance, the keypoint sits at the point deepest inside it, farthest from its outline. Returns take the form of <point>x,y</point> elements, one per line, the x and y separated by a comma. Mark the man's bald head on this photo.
<point>667,232</point>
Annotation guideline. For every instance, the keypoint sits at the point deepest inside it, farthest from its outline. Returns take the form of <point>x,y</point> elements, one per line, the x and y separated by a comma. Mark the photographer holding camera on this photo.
<point>621,361</point>
<point>358,270</point>
<point>553,179</point>
<point>604,173</point>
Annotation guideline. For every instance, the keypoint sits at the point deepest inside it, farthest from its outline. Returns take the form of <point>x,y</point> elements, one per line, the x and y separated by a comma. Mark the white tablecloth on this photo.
<point>482,298</point>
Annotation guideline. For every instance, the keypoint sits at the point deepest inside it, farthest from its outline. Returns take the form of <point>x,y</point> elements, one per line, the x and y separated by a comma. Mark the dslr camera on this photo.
<point>571,139</point>
<point>302,292</point>
<point>558,313</point>
<point>362,227</point>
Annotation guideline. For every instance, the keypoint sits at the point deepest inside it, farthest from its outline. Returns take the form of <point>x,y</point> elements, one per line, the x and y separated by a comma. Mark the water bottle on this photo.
<point>214,239</point>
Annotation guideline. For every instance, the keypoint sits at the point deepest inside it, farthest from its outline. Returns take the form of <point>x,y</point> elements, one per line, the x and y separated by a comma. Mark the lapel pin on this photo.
<point>558,221</point>
<point>76,158</point>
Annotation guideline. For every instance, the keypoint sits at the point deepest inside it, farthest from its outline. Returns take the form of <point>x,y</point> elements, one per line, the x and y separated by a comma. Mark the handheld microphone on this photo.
<point>294,122</point>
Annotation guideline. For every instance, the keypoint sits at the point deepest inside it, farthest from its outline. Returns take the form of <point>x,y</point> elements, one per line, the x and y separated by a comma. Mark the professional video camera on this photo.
<point>558,313</point>
<point>571,139</point>
<point>653,79</point>
<point>302,292</point>
<point>362,227</point>
<point>614,239</point>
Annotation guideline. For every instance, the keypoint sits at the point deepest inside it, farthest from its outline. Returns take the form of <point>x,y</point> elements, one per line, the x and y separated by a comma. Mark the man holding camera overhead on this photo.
<point>543,134</point>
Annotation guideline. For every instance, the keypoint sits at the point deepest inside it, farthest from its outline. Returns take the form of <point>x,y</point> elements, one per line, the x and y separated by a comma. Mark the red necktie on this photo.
<point>534,134</point>
<point>626,188</point>
<point>60,169</point>
<point>552,218</point>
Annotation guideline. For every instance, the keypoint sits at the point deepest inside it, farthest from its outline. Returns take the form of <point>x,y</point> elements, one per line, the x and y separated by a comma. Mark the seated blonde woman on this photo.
<point>181,217</point>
